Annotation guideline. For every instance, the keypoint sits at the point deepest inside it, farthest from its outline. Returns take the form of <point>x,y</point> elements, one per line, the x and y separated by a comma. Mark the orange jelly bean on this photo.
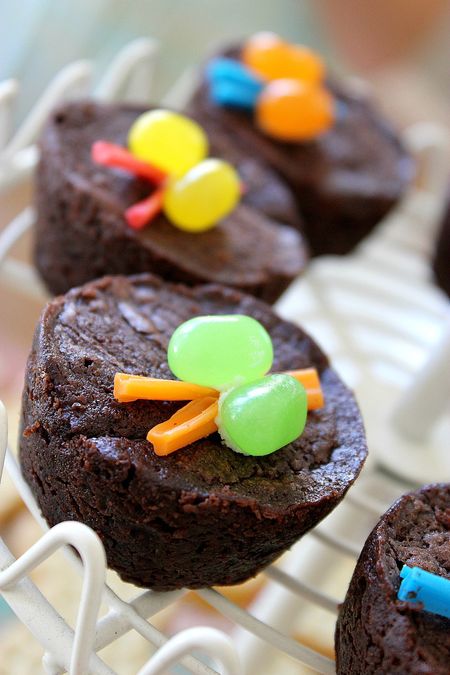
<point>290,110</point>
<point>271,58</point>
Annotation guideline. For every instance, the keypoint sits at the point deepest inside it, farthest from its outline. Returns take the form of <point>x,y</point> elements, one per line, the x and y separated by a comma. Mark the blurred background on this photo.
<point>399,48</point>
<point>402,47</point>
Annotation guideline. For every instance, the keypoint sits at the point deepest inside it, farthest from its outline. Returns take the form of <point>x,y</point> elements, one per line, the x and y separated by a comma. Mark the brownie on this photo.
<point>441,259</point>
<point>81,232</point>
<point>203,515</point>
<point>376,633</point>
<point>343,182</point>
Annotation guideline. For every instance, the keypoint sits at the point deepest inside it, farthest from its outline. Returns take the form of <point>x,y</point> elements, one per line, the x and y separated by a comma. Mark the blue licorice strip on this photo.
<point>231,84</point>
<point>431,590</point>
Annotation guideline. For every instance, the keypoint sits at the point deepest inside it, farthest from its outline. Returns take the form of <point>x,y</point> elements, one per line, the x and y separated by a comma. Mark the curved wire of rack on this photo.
<point>385,327</point>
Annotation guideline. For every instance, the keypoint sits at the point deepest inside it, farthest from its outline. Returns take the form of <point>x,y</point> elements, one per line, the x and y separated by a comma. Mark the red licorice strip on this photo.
<point>143,212</point>
<point>110,154</point>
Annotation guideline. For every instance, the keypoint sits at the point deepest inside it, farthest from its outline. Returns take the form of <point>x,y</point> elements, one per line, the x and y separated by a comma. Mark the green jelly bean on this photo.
<point>263,416</point>
<point>220,351</point>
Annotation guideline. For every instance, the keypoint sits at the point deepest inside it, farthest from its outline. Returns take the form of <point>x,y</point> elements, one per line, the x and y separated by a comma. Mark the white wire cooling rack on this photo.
<point>387,330</point>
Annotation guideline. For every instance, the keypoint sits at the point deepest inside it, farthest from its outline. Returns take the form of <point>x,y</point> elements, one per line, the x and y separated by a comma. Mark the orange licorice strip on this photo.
<point>192,422</point>
<point>131,387</point>
<point>140,214</point>
<point>309,378</point>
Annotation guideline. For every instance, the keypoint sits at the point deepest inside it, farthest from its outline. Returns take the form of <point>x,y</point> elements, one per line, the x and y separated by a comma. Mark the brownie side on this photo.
<point>81,233</point>
<point>376,633</point>
<point>201,516</point>
<point>344,182</point>
<point>441,260</point>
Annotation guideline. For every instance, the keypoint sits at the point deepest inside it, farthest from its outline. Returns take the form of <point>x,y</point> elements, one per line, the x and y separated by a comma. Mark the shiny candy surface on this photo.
<point>233,71</point>
<point>220,351</point>
<point>172,142</point>
<point>203,196</point>
<point>232,84</point>
<point>272,58</point>
<point>233,94</point>
<point>293,111</point>
<point>263,416</point>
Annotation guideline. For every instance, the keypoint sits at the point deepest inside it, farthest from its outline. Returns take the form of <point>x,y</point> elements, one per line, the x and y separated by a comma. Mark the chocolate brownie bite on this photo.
<point>343,182</point>
<point>82,234</point>
<point>203,515</point>
<point>376,632</point>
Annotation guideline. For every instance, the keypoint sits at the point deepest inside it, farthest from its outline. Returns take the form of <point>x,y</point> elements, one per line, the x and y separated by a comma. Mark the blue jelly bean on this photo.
<point>227,93</point>
<point>229,69</point>
<point>233,84</point>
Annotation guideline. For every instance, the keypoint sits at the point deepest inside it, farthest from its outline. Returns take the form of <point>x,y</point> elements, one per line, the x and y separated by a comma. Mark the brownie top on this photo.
<point>416,532</point>
<point>243,249</point>
<point>360,156</point>
<point>124,324</point>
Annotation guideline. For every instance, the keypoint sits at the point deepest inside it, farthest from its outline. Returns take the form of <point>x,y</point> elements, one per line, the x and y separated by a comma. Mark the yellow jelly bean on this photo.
<point>294,111</point>
<point>203,196</point>
<point>272,58</point>
<point>172,142</point>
